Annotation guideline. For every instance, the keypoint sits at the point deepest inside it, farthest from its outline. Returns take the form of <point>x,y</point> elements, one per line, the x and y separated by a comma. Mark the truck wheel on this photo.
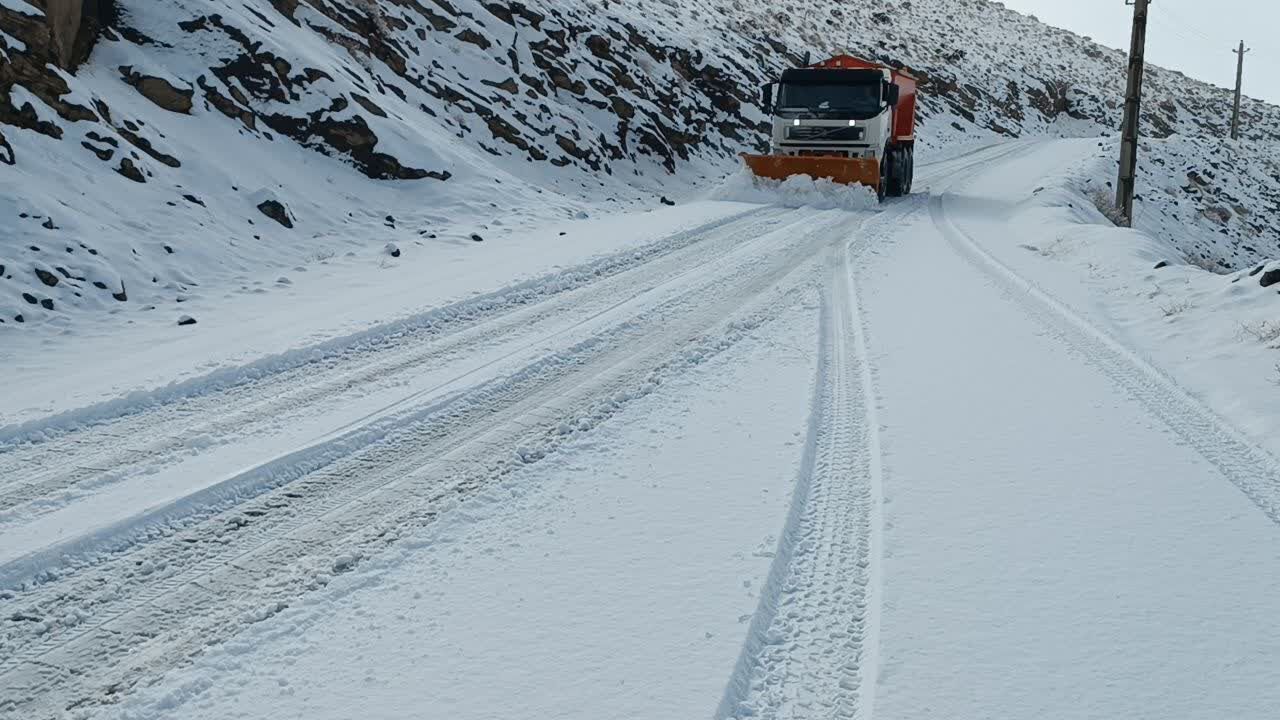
<point>883,188</point>
<point>896,160</point>
<point>910,174</point>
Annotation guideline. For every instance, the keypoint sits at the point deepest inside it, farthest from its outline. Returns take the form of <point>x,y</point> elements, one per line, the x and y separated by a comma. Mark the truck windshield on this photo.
<point>857,102</point>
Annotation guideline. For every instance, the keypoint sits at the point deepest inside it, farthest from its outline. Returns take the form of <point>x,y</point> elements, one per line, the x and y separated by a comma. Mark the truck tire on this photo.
<point>910,175</point>
<point>882,190</point>
<point>896,159</point>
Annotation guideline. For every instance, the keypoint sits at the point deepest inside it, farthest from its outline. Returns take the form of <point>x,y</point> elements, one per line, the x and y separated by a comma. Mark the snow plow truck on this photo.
<point>845,119</point>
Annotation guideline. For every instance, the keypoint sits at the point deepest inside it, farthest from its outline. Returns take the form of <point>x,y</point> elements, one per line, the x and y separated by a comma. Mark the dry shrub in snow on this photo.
<point>1107,206</point>
<point>1264,331</point>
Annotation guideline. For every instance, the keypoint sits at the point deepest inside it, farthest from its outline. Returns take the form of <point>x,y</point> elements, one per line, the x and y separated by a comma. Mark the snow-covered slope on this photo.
<point>207,147</point>
<point>1216,202</point>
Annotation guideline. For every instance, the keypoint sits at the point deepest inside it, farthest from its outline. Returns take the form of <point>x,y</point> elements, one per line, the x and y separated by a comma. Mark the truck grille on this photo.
<point>825,134</point>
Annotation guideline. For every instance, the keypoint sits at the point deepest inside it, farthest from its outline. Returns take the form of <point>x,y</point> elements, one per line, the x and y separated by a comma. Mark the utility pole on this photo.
<point>1132,107</point>
<point>1235,112</point>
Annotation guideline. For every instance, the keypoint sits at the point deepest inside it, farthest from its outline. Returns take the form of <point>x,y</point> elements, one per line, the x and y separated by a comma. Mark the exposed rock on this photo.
<point>121,296</point>
<point>145,146</point>
<point>599,46</point>
<point>160,91</point>
<point>1162,264</point>
<point>186,320</point>
<point>26,117</point>
<point>104,154</point>
<point>369,105</point>
<point>131,171</point>
<point>1269,278</point>
<point>476,237</point>
<point>666,201</point>
<point>509,85</point>
<point>74,27</point>
<point>276,210</point>
<point>47,277</point>
<point>392,250</point>
<point>470,36</point>
<point>6,152</point>
<point>102,139</point>
<point>286,8</point>
<point>1218,214</point>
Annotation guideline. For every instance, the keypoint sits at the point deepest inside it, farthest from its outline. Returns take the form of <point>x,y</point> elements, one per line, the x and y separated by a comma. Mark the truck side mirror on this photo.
<point>891,93</point>
<point>766,98</point>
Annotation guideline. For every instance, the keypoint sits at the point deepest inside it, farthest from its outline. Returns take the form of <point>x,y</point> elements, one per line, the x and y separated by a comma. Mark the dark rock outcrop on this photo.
<point>276,210</point>
<point>160,91</point>
<point>47,277</point>
<point>130,170</point>
<point>74,27</point>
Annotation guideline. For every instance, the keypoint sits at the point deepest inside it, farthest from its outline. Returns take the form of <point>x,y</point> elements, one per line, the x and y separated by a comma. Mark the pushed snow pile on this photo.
<point>794,192</point>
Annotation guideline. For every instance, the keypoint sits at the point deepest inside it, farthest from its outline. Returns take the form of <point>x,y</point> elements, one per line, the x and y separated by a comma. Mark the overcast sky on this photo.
<point>1194,36</point>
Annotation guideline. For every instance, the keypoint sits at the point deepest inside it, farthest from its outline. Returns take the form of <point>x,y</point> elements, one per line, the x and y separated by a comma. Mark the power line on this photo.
<point>1171,20</point>
<point>1167,10</point>
<point>1176,30</point>
<point>1197,37</point>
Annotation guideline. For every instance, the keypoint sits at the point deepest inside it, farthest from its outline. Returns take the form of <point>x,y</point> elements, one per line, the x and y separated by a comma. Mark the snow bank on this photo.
<point>794,192</point>
<point>1153,288</point>
<point>1213,199</point>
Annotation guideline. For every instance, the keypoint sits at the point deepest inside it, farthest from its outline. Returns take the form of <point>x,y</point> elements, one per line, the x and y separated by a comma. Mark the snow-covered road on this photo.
<point>782,463</point>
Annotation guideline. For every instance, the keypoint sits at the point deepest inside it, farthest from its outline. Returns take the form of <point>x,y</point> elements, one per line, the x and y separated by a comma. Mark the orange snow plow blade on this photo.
<point>843,170</point>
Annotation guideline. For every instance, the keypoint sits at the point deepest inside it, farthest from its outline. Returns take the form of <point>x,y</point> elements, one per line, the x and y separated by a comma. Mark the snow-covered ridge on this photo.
<point>205,146</point>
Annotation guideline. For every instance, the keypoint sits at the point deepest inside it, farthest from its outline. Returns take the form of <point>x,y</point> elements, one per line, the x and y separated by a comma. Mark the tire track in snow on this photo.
<point>812,647</point>
<point>1250,468</point>
<point>46,476</point>
<point>441,413</point>
<point>235,568</point>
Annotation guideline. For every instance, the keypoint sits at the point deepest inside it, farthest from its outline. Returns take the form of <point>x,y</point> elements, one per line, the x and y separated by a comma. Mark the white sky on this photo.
<point>1194,36</point>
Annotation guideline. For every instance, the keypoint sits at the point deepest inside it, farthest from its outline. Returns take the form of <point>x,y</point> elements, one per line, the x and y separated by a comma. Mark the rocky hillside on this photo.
<point>150,148</point>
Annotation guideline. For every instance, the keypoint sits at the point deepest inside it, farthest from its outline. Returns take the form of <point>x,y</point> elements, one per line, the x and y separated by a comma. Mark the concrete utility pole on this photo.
<point>1132,107</point>
<point>1235,112</point>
